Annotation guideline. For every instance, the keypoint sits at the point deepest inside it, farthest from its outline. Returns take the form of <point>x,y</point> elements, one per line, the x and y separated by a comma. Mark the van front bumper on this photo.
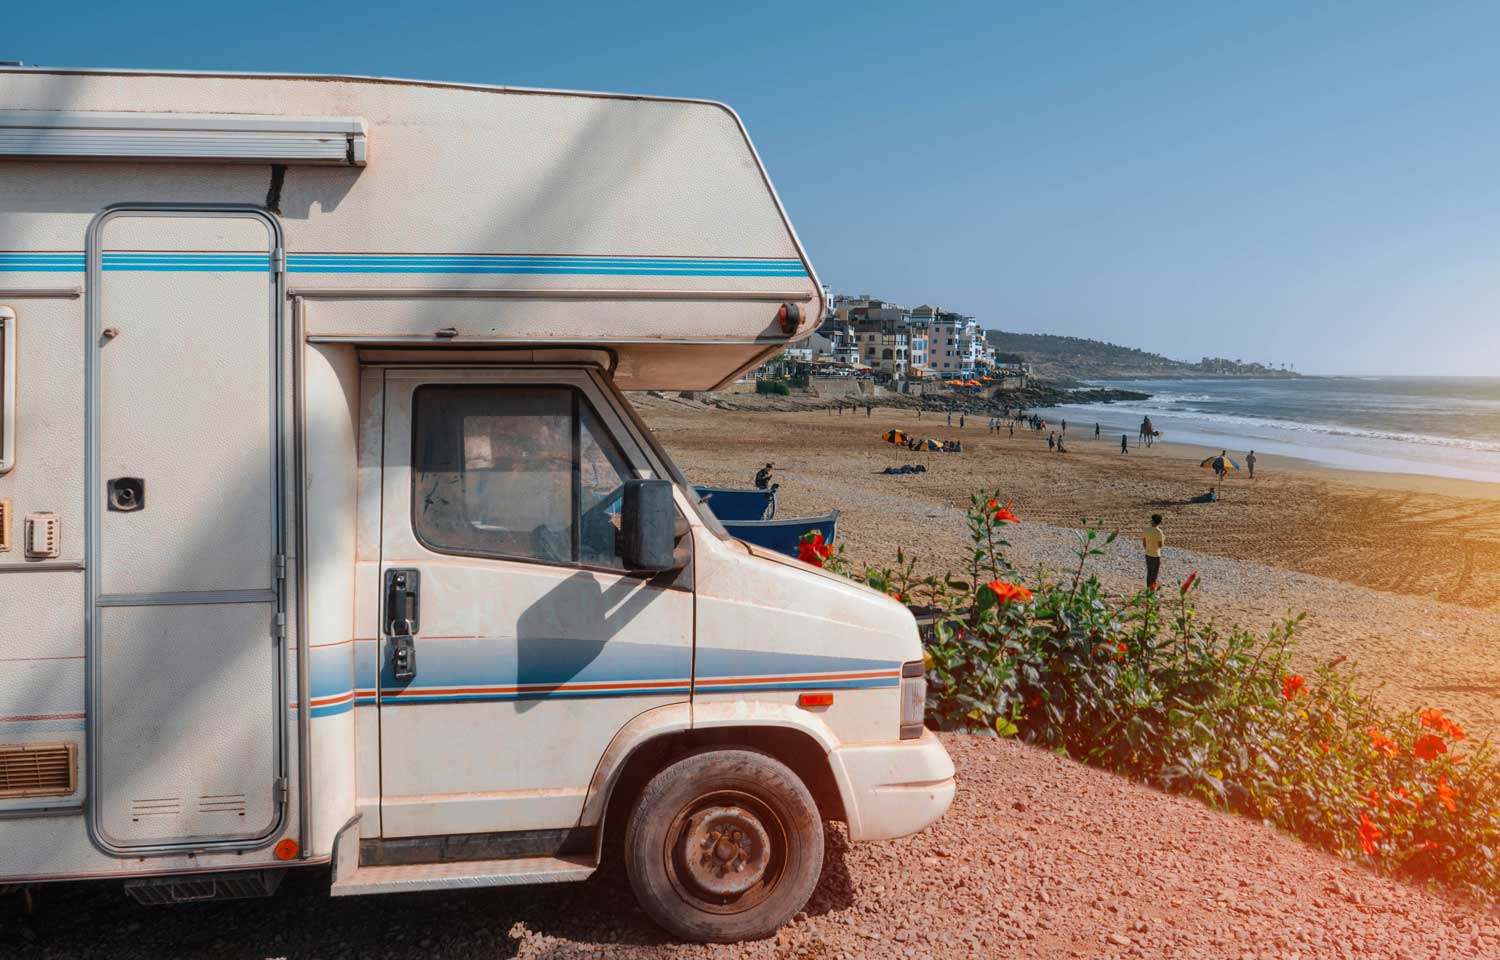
<point>893,789</point>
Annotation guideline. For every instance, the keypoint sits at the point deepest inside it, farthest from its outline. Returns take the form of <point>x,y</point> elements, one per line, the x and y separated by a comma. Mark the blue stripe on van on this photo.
<point>393,263</point>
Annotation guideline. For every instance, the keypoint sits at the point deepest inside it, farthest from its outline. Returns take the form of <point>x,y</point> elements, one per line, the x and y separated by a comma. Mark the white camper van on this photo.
<point>329,539</point>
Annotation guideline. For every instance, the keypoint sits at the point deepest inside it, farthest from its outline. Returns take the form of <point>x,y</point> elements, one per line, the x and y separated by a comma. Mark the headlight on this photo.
<point>913,699</point>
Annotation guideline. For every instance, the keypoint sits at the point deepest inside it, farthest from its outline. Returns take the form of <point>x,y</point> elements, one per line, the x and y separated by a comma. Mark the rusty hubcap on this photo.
<point>725,850</point>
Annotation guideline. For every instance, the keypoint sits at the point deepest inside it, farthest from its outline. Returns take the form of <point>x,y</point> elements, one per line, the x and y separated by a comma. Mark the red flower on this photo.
<point>895,594</point>
<point>1428,746</point>
<point>1368,833</point>
<point>1188,583</point>
<point>1006,591</point>
<point>1122,647</point>
<point>1383,743</point>
<point>813,550</point>
<point>1003,514</point>
<point>1293,686</point>
<point>1445,794</point>
<point>1434,720</point>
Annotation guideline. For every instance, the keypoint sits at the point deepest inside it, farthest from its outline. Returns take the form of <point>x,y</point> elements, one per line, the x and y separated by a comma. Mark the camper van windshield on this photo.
<point>524,472</point>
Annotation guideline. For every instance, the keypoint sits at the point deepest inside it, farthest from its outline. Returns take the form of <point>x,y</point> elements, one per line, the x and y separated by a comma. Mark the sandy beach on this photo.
<point>1400,573</point>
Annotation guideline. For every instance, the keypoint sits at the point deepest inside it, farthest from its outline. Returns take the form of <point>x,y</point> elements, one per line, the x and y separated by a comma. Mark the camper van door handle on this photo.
<point>402,596</point>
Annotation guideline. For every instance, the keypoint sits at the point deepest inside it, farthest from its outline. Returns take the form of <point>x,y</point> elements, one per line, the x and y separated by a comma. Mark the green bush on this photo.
<point>1142,686</point>
<point>777,387</point>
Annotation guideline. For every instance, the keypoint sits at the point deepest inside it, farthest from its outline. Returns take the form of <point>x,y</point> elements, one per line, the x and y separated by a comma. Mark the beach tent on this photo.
<point>894,436</point>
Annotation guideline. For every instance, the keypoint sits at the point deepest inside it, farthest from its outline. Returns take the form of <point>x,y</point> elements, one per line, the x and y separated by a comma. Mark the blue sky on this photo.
<point>1316,184</point>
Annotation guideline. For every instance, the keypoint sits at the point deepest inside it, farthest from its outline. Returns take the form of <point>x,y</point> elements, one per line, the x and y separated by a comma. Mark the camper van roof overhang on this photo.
<point>223,138</point>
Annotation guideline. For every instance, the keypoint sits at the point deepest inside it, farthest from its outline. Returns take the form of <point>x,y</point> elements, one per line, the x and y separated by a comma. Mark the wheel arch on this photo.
<point>627,766</point>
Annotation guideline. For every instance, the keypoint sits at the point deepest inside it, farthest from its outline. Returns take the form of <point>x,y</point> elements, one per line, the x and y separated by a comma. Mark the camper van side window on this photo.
<point>520,472</point>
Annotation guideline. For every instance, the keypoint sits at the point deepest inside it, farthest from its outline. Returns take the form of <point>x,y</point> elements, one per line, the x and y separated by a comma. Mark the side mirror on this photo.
<point>648,527</point>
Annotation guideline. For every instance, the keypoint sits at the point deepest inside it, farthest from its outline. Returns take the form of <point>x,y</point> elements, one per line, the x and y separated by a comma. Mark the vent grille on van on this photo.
<point>38,769</point>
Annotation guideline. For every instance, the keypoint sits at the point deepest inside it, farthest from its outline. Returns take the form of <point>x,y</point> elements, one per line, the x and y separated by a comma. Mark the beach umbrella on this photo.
<point>894,436</point>
<point>1219,464</point>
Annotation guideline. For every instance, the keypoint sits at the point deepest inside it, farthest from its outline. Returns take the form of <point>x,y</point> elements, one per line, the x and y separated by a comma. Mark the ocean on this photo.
<point>1437,426</point>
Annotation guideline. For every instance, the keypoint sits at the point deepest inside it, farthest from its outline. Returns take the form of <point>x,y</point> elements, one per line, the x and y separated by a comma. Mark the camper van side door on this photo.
<point>515,642</point>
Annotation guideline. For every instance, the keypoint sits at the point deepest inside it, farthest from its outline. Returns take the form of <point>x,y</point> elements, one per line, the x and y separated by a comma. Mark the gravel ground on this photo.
<point>1039,857</point>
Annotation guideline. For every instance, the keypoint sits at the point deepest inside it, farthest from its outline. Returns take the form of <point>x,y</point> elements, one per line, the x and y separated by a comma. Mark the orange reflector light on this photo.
<point>287,849</point>
<point>815,700</point>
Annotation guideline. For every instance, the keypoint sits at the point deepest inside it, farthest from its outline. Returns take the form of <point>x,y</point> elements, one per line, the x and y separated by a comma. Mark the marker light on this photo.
<point>287,849</point>
<point>815,700</point>
<point>913,699</point>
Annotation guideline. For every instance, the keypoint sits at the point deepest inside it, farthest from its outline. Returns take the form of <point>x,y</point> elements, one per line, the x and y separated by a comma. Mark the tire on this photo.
<point>757,834</point>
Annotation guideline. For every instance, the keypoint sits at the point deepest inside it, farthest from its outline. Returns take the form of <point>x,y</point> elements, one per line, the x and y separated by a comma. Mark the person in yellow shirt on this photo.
<point>1153,541</point>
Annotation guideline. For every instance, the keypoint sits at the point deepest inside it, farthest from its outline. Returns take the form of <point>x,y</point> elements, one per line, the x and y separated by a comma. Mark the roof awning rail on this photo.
<point>216,137</point>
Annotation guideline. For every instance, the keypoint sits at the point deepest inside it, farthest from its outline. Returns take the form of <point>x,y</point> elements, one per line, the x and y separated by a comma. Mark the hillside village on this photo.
<point>873,337</point>
<point>867,337</point>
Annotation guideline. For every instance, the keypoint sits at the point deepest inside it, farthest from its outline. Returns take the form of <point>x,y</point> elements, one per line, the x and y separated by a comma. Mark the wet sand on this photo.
<point>1401,573</point>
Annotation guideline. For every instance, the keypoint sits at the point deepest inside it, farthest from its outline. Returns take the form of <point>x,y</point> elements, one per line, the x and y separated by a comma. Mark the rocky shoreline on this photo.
<point>1032,396</point>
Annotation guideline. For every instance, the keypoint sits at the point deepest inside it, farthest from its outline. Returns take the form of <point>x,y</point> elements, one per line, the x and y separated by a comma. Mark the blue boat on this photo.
<point>783,536</point>
<point>734,506</point>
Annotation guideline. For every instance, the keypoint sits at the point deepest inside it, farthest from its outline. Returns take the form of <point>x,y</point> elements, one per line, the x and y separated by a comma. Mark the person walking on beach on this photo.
<point>950,418</point>
<point>1124,443</point>
<point>1250,463</point>
<point>869,409</point>
<point>1153,541</point>
<point>1096,430</point>
<point>960,421</point>
<point>1221,465</point>
<point>1051,440</point>
<point>1064,426</point>
<point>1012,429</point>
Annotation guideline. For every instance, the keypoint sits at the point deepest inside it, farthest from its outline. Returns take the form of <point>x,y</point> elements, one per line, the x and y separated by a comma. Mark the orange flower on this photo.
<point>1445,795</point>
<point>1383,743</point>
<point>1003,514</point>
<point>1188,583</point>
<point>895,594</point>
<point>1434,720</point>
<point>1293,686</point>
<point>1428,746</point>
<point>1368,833</point>
<point>1373,798</point>
<point>1006,591</point>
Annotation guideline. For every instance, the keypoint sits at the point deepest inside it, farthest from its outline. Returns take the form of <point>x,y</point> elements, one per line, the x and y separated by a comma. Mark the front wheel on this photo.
<point>724,846</point>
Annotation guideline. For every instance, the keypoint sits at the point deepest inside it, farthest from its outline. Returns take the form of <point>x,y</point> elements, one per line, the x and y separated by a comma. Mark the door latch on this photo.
<point>402,609</point>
